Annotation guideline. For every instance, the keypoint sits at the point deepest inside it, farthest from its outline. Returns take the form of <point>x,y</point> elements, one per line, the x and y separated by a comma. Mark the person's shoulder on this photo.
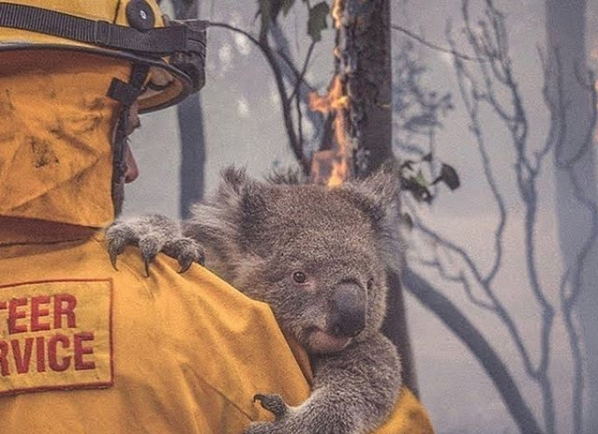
<point>232,342</point>
<point>212,325</point>
<point>162,277</point>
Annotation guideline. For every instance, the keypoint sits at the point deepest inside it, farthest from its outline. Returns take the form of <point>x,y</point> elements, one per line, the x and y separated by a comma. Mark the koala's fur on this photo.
<point>258,236</point>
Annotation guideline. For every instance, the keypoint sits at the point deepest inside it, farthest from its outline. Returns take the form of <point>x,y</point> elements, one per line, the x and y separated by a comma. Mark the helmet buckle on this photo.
<point>102,32</point>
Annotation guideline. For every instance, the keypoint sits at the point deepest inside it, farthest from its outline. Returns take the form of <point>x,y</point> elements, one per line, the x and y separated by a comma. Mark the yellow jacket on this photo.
<point>87,349</point>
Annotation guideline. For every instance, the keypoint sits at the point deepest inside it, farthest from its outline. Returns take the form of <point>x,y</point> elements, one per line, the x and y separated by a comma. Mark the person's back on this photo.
<point>172,353</point>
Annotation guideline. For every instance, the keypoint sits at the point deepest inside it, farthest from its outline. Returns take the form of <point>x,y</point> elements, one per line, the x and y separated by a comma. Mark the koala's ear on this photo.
<point>288,176</point>
<point>377,194</point>
<point>377,197</point>
<point>240,192</point>
<point>223,215</point>
<point>234,184</point>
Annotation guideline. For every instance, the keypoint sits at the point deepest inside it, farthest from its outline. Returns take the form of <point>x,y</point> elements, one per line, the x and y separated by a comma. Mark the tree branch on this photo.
<point>421,40</point>
<point>493,365</point>
<point>262,44</point>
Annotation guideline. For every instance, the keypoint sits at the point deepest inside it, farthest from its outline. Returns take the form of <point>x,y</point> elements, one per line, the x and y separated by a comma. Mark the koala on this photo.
<point>319,257</point>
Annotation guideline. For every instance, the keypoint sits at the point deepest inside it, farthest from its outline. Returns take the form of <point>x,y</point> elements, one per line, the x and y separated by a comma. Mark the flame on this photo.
<point>333,101</point>
<point>332,166</point>
<point>337,13</point>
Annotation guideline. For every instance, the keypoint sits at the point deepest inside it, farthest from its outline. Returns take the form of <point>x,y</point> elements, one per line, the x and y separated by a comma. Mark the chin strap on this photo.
<point>126,94</point>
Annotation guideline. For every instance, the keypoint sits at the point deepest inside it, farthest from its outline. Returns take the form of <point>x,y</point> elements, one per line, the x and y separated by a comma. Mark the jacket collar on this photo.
<point>18,231</point>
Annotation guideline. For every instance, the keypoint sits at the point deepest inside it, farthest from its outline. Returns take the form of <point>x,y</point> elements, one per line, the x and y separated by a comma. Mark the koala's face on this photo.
<point>324,281</point>
<point>313,254</point>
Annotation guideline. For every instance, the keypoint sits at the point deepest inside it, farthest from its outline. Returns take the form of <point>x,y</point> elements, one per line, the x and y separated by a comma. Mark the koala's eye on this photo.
<point>370,284</point>
<point>299,277</point>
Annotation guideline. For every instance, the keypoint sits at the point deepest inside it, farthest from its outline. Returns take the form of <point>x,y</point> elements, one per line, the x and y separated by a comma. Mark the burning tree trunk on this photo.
<point>359,106</point>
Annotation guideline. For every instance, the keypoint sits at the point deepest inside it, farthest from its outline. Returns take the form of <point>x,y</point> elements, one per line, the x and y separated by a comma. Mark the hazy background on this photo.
<point>243,125</point>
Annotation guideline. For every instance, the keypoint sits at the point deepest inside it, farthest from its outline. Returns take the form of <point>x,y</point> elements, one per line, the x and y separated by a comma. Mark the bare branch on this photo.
<point>556,129</point>
<point>263,45</point>
<point>459,278</point>
<point>285,58</point>
<point>493,365</point>
<point>301,77</point>
<point>498,307</point>
<point>451,51</point>
<point>302,88</point>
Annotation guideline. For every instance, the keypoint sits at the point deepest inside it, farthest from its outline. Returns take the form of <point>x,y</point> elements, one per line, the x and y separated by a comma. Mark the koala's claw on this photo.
<point>153,234</point>
<point>186,251</point>
<point>149,246</point>
<point>185,265</point>
<point>113,258</point>
<point>146,263</point>
<point>116,245</point>
<point>273,403</point>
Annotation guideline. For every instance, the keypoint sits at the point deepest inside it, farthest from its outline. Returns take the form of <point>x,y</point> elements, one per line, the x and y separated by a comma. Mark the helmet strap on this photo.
<point>126,94</point>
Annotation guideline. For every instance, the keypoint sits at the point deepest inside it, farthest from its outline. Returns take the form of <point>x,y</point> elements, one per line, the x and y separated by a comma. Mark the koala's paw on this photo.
<point>186,251</point>
<point>276,405</point>
<point>323,417</point>
<point>273,403</point>
<point>153,234</point>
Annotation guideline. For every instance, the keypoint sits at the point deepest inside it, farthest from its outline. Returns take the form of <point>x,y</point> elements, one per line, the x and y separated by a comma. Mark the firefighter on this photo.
<point>85,348</point>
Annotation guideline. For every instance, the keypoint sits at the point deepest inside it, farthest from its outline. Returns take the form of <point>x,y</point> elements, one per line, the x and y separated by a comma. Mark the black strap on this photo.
<point>126,94</point>
<point>123,92</point>
<point>157,41</point>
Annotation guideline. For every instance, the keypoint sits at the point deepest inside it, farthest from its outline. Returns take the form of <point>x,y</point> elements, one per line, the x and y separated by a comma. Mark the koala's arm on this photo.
<point>153,234</point>
<point>354,392</point>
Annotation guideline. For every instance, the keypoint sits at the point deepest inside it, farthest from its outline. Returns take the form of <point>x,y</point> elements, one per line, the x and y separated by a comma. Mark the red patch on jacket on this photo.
<point>55,335</point>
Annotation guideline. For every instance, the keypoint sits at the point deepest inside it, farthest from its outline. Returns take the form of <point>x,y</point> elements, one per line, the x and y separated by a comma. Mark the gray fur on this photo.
<point>258,235</point>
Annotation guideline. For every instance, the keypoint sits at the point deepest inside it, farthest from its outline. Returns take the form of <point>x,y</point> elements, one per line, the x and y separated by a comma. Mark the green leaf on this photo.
<point>449,176</point>
<point>421,179</point>
<point>317,20</point>
<point>419,192</point>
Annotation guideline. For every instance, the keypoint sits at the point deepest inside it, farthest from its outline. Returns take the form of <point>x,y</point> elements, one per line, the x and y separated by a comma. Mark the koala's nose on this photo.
<point>347,316</point>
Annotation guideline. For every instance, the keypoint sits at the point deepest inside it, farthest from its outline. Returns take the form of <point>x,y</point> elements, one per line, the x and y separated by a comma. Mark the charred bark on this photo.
<point>364,67</point>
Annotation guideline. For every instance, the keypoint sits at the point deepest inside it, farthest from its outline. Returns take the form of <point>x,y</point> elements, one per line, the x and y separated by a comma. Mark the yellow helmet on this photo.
<point>168,57</point>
